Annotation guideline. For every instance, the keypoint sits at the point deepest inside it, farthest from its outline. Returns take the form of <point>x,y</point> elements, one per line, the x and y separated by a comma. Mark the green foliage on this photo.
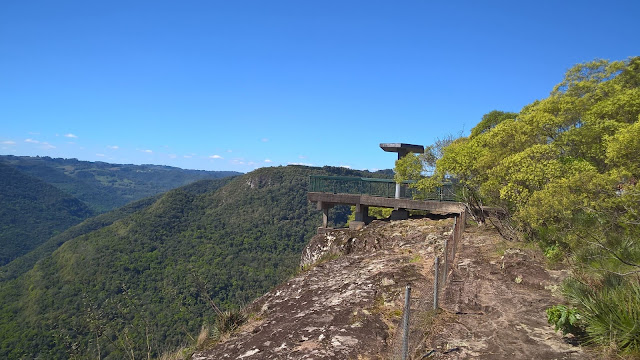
<point>32,211</point>
<point>374,211</point>
<point>554,254</point>
<point>559,158</point>
<point>611,311</point>
<point>41,197</point>
<point>490,120</point>
<point>408,167</point>
<point>24,263</point>
<point>564,319</point>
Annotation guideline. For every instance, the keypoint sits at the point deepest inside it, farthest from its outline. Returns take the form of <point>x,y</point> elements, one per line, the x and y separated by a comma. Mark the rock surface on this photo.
<point>347,302</point>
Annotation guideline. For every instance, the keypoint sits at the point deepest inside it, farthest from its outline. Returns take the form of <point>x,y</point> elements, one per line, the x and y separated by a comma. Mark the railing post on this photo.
<point>405,334</point>
<point>435,284</point>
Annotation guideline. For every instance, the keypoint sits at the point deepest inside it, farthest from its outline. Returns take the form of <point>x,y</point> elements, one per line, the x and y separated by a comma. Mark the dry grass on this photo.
<point>203,336</point>
<point>182,353</point>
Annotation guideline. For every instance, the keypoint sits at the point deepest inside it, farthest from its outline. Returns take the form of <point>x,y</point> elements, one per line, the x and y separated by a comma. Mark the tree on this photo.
<point>490,120</point>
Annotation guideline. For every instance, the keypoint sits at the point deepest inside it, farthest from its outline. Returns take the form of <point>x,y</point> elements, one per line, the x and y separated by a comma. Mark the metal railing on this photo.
<point>378,187</point>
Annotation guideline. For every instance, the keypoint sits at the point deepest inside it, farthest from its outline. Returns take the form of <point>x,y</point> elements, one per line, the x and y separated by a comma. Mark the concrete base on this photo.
<point>324,230</point>
<point>356,225</point>
<point>400,214</point>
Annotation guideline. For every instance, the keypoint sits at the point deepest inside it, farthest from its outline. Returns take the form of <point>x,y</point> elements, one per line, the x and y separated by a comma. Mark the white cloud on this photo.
<point>113,147</point>
<point>172,156</point>
<point>215,157</point>
<point>229,150</point>
<point>187,156</point>
<point>268,161</point>
<point>265,139</point>
<point>147,151</point>
<point>345,166</point>
<point>299,163</point>
<point>43,144</point>
<point>301,157</point>
<point>70,135</point>
<point>100,155</point>
<point>9,142</point>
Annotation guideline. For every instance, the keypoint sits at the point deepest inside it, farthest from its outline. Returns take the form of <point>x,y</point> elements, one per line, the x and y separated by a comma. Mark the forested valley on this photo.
<point>41,197</point>
<point>142,280</point>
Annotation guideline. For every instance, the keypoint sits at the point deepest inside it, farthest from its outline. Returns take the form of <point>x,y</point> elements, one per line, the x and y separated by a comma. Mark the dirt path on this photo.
<point>495,305</point>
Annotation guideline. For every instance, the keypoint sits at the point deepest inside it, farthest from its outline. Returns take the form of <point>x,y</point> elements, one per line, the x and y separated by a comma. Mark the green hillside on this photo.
<point>150,279</point>
<point>24,263</point>
<point>105,186</point>
<point>32,211</point>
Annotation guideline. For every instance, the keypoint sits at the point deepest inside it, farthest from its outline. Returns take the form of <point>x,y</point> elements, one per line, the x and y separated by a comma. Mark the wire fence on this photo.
<point>425,299</point>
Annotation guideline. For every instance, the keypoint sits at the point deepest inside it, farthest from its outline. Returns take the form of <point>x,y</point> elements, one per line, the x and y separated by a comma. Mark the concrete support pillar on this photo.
<point>325,216</point>
<point>362,214</point>
<point>325,207</point>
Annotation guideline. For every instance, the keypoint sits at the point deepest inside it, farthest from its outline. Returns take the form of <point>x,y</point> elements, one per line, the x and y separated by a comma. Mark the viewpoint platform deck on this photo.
<point>362,202</point>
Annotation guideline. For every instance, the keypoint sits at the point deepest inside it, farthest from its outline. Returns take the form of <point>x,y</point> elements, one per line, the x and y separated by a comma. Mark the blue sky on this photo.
<point>236,85</point>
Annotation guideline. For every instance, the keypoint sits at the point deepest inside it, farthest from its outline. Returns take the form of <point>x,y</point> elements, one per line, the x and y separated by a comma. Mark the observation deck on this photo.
<point>328,191</point>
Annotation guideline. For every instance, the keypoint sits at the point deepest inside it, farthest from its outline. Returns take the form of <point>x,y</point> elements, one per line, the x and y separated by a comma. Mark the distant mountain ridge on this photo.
<point>105,186</point>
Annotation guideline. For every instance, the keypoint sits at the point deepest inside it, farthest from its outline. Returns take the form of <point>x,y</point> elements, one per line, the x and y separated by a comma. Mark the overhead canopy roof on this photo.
<point>402,148</point>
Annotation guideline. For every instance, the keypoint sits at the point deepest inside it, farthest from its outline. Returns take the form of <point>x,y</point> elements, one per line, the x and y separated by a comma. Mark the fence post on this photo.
<point>446,261</point>
<point>435,284</point>
<point>455,238</point>
<point>405,335</point>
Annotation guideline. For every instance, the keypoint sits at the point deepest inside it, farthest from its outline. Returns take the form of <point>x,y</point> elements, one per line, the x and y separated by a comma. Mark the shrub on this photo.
<point>554,254</point>
<point>610,311</point>
<point>565,319</point>
<point>228,321</point>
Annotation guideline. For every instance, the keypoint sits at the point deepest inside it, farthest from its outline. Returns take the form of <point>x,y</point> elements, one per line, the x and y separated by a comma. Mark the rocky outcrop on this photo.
<point>345,307</point>
<point>379,235</point>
